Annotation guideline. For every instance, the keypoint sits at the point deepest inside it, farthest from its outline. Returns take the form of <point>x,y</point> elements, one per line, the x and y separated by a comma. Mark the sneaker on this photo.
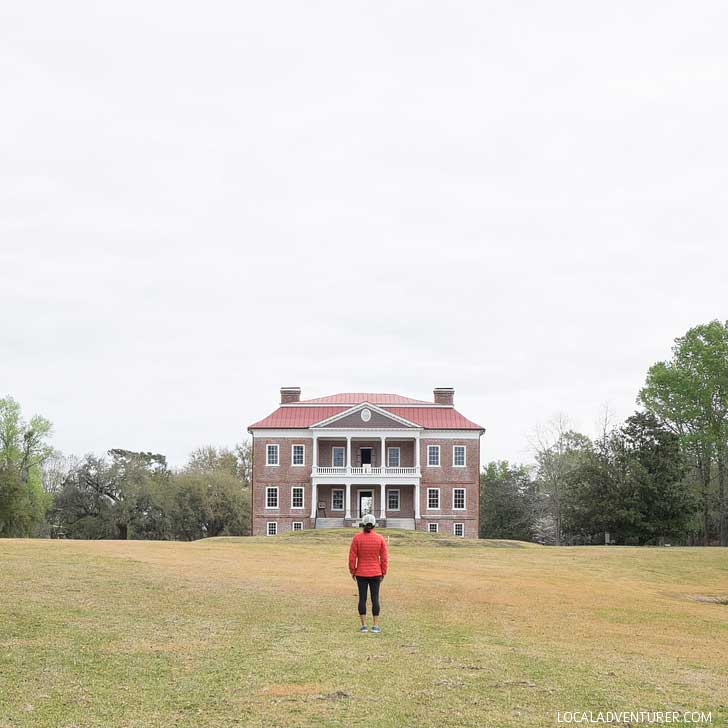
<point>376,629</point>
<point>364,628</point>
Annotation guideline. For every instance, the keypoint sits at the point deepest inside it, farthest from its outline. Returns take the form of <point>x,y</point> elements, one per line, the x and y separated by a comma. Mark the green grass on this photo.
<point>263,632</point>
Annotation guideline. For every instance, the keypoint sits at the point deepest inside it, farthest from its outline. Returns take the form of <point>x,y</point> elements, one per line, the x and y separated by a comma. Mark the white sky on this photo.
<point>201,202</point>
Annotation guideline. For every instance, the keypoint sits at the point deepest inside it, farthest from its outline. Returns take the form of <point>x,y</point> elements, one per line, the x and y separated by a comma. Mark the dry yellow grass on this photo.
<point>263,631</point>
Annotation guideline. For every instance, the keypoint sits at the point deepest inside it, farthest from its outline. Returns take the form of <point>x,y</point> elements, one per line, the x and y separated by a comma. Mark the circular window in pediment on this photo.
<point>366,415</point>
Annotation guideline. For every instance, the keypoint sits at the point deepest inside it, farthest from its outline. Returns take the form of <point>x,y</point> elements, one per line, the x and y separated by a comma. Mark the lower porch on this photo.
<point>345,504</point>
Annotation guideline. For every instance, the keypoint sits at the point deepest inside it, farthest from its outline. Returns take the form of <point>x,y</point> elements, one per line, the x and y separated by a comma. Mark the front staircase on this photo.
<point>329,522</point>
<point>406,523</point>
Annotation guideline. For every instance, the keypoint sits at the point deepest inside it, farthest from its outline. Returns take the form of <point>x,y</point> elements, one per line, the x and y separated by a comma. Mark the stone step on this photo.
<point>329,523</point>
<point>406,523</point>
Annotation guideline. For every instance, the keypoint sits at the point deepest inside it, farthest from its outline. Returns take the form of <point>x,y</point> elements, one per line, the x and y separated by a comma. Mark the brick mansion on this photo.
<point>326,462</point>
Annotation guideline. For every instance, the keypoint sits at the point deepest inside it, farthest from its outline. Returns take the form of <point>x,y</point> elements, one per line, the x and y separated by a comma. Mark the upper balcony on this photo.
<point>365,470</point>
<point>366,459</point>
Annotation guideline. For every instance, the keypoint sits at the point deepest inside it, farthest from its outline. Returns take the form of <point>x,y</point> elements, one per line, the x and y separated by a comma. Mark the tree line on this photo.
<point>659,477</point>
<point>120,495</point>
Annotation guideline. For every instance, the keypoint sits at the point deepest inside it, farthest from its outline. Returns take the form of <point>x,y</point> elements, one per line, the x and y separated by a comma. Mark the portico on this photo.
<point>377,458</point>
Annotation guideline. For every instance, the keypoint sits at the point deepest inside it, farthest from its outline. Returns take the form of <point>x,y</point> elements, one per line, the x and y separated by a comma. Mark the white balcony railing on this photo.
<point>364,470</point>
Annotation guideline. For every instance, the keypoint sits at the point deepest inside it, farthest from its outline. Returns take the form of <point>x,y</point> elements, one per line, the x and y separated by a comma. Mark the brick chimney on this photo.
<point>444,395</point>
<point>290,394</point>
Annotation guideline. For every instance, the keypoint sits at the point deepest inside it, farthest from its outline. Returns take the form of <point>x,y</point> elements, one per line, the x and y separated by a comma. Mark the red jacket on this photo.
<point>368,554</point>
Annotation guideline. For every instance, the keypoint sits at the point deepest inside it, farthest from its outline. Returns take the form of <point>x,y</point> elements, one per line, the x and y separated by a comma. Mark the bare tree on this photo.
<point>557,447</point>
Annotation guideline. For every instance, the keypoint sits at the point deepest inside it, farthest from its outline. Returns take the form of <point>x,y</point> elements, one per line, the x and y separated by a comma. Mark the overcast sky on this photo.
<point>201,202</point>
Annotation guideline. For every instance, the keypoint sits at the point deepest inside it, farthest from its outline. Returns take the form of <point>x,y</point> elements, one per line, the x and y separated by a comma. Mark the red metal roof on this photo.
<point>432,418</point>
<point>359,397</point>
<point>435,418</point>
<point>298,416</point>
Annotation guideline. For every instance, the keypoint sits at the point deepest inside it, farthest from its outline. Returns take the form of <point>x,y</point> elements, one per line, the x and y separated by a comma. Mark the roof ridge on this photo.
<point>353,398</point>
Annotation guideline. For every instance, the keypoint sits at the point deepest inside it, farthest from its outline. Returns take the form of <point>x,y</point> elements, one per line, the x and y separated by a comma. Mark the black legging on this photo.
<point>373,582</point>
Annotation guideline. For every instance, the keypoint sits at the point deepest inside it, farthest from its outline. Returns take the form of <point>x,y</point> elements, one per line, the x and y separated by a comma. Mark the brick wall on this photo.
<point>446,477</point>
<point>284,475</point>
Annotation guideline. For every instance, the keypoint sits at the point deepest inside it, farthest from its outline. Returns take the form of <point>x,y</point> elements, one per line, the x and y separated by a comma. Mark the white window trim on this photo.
<point>343,454</point>
<point>454,529</point>
<point>465,499</point>
<point>278,455</point>
<point>293,447</point>
<point>430,525</point>
<point>399,502</point>
<point>439,502</point>
<point>465,456</point>
<point>267,528</point>
<point>343,499</point>
<point>297,523</point>
<point>303,498</point>
<point>439,459</point>
<point>278,498</point>
<point>399,457</point>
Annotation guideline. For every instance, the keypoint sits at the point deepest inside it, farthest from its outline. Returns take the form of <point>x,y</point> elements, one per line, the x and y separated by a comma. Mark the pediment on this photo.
<point>366,416</point>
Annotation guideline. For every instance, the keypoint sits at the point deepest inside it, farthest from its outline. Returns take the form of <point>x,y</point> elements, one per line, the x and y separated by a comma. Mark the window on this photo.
<point>271,497</point>
<point>337,500</point>
<point>297,497</point>
<point>392,457</point>
<point>459,529</point>
<point>433,527</point>
<point>337,457</point>
<point>272,528</point>
<point>271,455</point>
<point>393,500</point>
<point>298,455</point>
<point>298,525</point>
<point>433,499</point>
<point>458,456</point>
<point>458,499</point>
<point>433,455</point>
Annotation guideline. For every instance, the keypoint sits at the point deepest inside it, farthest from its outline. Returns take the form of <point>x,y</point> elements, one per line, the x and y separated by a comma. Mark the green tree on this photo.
<point>126,496</point>
<point>508,501</point>
<point>656,475</point>
<point>244,453</point>
<point>689,395</point>
<point>220,491</point>
<point>85,504</point>
<point>23,450</point>
<point>207,503</point>
<point>631,485</point>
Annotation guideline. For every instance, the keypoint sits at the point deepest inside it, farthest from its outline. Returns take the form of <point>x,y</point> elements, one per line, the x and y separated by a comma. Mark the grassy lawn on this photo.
<point>263,632</point>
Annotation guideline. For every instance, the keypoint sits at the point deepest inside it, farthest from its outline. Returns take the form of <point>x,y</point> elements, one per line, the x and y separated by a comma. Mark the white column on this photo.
<point>348,500</point>
<point>314,498</point>
<point>314,455</point>
<point>383,511</point>
<point>417,482</point>
<point>348,452</point>
<point>384,455</point>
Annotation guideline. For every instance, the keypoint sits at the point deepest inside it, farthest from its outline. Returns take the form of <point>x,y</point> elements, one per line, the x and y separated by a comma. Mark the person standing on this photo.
<point>368,562</point>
